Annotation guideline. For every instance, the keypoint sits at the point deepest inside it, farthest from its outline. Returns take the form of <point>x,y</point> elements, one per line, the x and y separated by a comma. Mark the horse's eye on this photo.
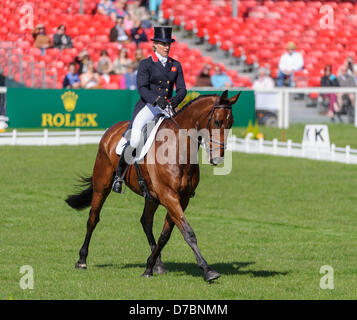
<point>218,123</point>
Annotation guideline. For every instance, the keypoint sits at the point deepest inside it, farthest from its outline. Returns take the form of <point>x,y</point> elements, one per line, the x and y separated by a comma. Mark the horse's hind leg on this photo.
<point>164,237</point>
<point>146,220</point>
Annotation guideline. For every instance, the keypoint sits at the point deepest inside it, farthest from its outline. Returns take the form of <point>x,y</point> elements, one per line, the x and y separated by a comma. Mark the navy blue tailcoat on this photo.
<point>154,81</point>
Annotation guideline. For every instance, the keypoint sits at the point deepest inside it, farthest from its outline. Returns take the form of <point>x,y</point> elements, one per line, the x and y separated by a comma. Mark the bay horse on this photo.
<point>171,184</point>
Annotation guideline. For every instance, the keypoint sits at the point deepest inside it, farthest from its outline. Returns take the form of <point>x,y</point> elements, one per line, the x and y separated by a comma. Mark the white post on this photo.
<point>348,149</point>
<point>275,146</point>
<point>45,137</point>
<point>289,147</point>
<point>247,144</point>
<point>261,145</point>
<point>333,152</point>
<point>78,135</point>
<point>281,110</point>
<point>14,133</point>
<point>286,109</point>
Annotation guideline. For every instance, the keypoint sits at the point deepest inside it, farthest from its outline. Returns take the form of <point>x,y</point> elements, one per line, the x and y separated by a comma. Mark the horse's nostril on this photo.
<point>216,161</point>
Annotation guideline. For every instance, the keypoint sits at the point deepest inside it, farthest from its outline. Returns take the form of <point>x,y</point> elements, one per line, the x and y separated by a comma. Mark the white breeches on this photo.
<point>145,115</point>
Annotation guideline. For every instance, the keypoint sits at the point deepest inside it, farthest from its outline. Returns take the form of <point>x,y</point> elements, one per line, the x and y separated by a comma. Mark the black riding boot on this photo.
<point>118,179</point>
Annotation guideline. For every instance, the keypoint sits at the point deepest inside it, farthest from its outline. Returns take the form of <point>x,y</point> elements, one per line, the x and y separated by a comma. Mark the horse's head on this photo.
<point>219,122</point>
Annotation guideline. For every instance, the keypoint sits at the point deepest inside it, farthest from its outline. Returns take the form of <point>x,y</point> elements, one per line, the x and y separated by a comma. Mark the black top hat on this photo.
<point>163,34</point>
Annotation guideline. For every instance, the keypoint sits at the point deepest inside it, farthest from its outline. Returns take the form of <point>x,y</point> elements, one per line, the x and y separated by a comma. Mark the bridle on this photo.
<point>221,145</point>
<point>211,140</point>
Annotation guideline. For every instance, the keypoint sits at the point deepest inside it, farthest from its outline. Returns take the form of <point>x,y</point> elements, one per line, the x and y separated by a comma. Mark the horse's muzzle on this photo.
<point>216,161</point>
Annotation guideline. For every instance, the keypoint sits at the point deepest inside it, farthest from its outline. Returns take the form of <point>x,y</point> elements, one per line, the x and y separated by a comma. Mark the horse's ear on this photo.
<point>234,99</point>
<point>223,98</point>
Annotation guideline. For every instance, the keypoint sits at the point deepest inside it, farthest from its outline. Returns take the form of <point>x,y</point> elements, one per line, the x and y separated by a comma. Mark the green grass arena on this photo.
<point>268,228</point>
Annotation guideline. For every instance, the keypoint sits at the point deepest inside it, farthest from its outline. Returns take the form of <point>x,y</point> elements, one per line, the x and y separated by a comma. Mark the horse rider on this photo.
<point>155,80</point>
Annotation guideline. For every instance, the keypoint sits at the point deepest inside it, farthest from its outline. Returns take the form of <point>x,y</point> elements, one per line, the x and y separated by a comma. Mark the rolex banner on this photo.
<point>88,109</point>
<point>50,108</point>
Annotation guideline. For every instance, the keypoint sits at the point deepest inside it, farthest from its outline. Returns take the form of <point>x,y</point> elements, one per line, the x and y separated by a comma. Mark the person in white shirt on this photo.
<point>290,62</point>
<point>263,81</point>
<point>264,100</point>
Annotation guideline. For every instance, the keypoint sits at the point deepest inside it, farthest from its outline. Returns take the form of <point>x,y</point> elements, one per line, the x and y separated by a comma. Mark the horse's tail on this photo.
<point>82,199</point>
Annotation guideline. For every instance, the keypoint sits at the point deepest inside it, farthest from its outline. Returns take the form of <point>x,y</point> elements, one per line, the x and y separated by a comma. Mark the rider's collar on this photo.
<point>156,56</point>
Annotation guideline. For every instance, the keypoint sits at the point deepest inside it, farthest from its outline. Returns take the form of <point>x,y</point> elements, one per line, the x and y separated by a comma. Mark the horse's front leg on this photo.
<point>176,217</point>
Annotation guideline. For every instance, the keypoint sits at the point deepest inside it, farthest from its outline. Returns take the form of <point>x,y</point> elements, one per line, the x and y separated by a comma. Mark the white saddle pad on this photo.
<point>144,150</point>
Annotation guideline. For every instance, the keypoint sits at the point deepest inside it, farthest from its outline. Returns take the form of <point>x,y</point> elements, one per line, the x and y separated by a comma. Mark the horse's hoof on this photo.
<point>80,265</point>
<point>147,274</point>
<point>159,269</point>
<point>211,275</point>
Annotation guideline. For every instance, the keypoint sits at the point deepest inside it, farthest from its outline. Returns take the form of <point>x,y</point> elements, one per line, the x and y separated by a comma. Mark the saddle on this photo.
<point>148,133</point>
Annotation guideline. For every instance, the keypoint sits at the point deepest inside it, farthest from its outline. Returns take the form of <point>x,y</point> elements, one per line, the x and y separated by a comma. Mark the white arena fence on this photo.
<point>274,147</point>
<point>50,138</point>
<point>293,149</point>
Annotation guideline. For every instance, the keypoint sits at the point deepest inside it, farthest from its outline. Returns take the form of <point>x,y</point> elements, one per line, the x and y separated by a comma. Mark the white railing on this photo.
<point>274,147</point>
<point>293,149</point>
<point>50,138</point>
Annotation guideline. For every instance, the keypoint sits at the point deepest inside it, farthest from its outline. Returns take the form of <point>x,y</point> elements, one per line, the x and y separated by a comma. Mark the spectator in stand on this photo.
<point>128,22</point>
<point>138,33</point>
<point>138,56</point>
<point>42,41</point>
<point>330,80</point>
<point>105,7</point>
<point>90,78</point>
<point>204,78</point>
<point>263,81</point>
<point>130,77</point>
<point>349,62</point>
<point>290,62</point>
<point>113,17</point>
<point>121,64</point>
<point>104,65</point>
<point>154,7</point>
<point>61,40</point>
<point>220,79</point>
<point>71,80</point>
<point>345,80</point>
<point>118,33</point>
<point>355,72</point>
<point>120,8</point>
<point>139,12</point>
<point>81,60</point>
